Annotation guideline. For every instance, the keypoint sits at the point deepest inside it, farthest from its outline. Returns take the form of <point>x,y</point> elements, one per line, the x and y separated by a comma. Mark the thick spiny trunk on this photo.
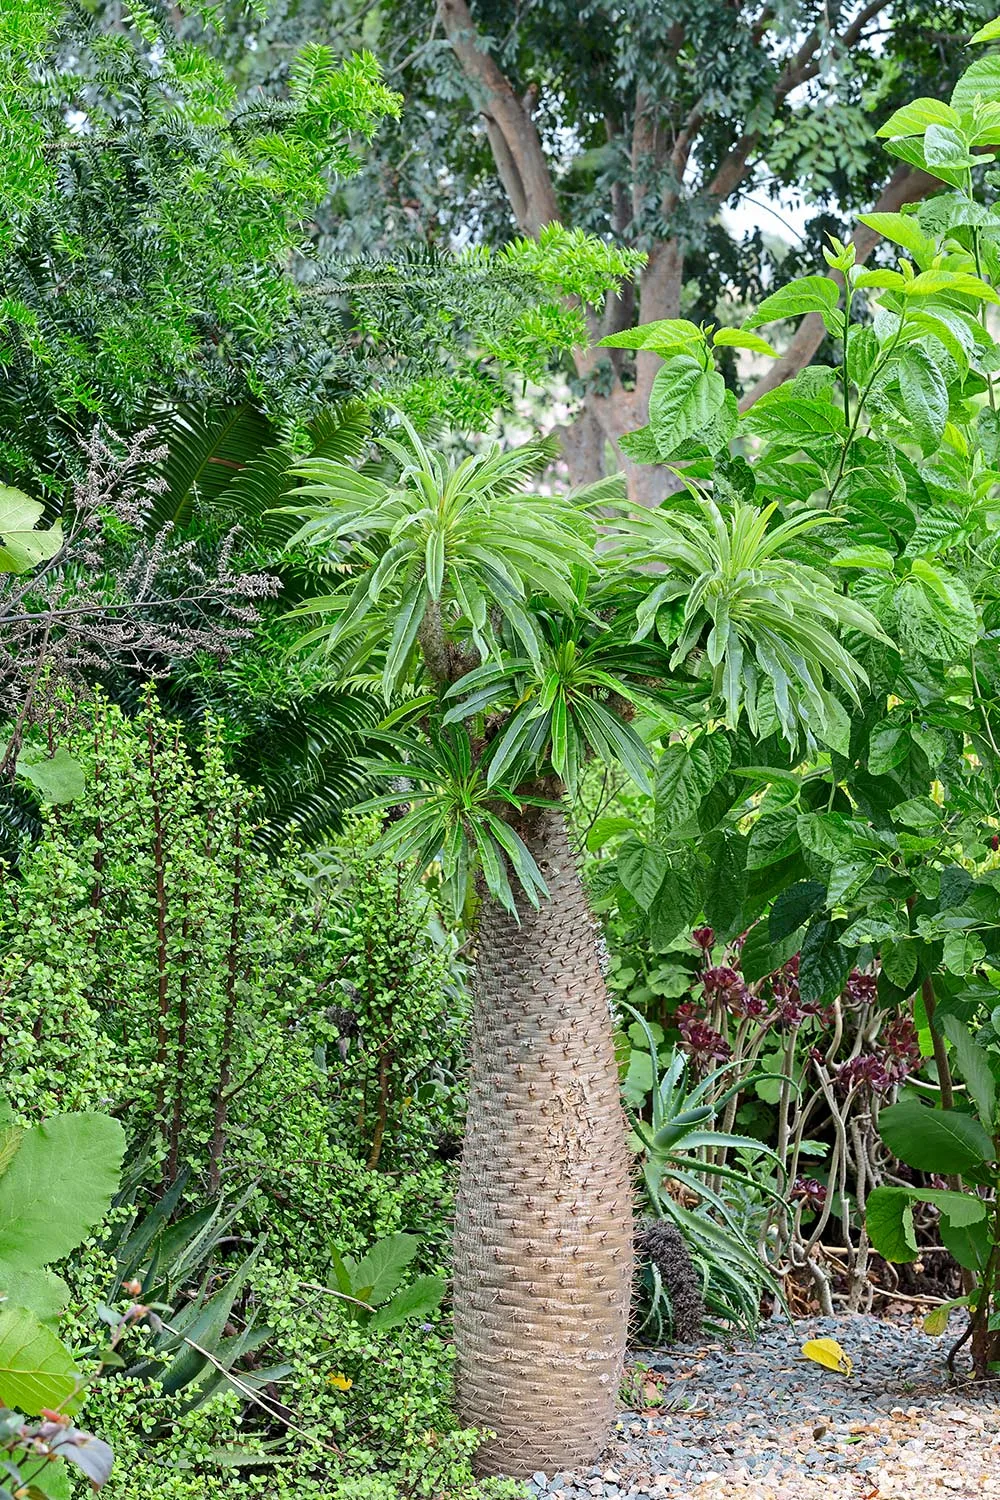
<point>543,1229</point>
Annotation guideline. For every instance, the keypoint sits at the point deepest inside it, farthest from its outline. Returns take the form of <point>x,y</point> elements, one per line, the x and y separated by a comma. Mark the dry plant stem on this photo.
<point>543,1257</point>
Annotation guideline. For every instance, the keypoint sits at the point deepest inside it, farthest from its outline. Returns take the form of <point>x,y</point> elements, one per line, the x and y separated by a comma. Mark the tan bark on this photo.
<point>524,172</point>
<point>543,1224</point>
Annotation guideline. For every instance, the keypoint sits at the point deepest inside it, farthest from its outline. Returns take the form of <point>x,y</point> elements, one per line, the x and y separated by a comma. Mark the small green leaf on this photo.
<point>741,338</point>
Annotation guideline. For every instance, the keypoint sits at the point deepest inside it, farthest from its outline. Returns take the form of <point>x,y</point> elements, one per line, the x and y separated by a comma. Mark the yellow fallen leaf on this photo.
<point>936,1322</point>
<point>339,1382</point>
<point>829,1354</point>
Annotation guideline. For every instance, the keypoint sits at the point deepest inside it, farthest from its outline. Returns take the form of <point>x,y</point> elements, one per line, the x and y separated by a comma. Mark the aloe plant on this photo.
<point>679,1144</point>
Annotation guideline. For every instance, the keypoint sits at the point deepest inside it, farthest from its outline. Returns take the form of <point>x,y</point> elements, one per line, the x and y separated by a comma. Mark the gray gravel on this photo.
<point>760,1420</point>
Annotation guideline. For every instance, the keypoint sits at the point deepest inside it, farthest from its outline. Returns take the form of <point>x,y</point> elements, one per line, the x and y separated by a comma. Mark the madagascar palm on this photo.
<point>524,656</point>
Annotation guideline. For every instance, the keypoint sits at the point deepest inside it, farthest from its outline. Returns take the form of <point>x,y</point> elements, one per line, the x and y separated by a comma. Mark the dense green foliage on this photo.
<point>769,704</point>
<point>286,1031</point>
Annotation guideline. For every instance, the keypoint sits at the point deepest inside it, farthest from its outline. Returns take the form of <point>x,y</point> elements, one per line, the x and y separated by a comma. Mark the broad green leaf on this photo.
<point>974,1065</point>
<point>22,546</point>
<point>863,557</point>
<point>935,1140</point>
<point>899,961</point>
<point>982,78</point>
<point>929,283</point>
<point>827,834</point>
<point>888,746</point>
<point>663,336</point>
<point>808,294</point>
<point>41,1292</point>
<point>936,613</point>
<point>57,1187</point>
<point>945,146</point>
<point>914,118</point>
<point>963,952</point>
<point>640,446</point>
<point>674,907</point>
<point>773,836</point>
<point>641,868</point>
<point>57,778</point>
<point>988,33</point>
<point>685,775</point>
<point>725,885</point>
<point>684,398</point>
<point>823,964</point>
<point>904,230</point>
<point>970,1245</point>
<point>793,907</point>
<point>924,396</point>
<point>36,1368</point>
<point>741,338</point>
<point>417,1300</point>
<point>889,1216</point>
<point>381,1270</point>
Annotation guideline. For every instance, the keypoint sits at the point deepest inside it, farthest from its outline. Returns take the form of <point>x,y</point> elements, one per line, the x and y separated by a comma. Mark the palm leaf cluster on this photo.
<point>737,586</point>
<point>457,544</point>
<point>528,649</point>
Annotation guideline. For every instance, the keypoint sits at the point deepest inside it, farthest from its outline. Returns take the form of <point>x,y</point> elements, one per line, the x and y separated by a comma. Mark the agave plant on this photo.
<point>519,652</point>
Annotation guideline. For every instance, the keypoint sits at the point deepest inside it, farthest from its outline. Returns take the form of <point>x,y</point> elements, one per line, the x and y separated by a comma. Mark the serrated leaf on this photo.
<point>899,961</point>
<point>57,1187</point>
<point>924,396</point>
<point>773,836</point>
<point>417,1300</point>
<point>641,868</point>
<point>793,907</point>
<point>982,78</point>
<point>36,1368</point>
<point>914,118</point>
<point>808,294</point>
<point>823,963</point>
<point>684,398</point>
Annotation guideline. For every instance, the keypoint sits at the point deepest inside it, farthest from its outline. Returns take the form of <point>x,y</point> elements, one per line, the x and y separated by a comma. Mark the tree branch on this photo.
<point>510,128</point>
<point>799,68</point>
<point>906,185</point>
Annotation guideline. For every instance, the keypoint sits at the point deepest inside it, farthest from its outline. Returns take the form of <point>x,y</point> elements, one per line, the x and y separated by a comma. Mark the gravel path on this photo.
<point>759,1422</point>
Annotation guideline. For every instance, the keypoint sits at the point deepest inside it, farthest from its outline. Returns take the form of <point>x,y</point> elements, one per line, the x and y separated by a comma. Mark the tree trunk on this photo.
<point>543,1226</point>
